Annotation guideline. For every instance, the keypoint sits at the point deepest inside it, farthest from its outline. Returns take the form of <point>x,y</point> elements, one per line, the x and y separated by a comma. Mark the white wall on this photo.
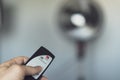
<point>34,26</point>
<point>107,52</point>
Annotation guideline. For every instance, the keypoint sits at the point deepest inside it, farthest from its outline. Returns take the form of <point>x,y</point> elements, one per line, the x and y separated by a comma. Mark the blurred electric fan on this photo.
<point>81,21</point>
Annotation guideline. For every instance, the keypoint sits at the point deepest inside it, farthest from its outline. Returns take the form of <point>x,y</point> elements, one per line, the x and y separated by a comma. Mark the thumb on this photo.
<point>25,70</point>
<point>28,70</point>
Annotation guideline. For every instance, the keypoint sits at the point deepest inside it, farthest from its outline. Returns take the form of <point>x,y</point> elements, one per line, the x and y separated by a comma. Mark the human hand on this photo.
<point>14,70</point>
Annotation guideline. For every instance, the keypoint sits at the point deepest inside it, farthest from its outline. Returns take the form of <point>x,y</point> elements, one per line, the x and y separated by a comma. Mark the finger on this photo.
<point>44,78</point>
<point>24,70</point>
<point>20,60</point>
<point>17,60</point>
<point>28,70</point>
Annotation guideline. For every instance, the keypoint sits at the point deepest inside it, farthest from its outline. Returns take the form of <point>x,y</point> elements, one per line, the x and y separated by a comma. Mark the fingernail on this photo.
<point>38,67</point>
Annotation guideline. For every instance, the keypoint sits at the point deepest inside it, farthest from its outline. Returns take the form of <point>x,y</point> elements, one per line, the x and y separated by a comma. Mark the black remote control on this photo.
<point>42,57</point>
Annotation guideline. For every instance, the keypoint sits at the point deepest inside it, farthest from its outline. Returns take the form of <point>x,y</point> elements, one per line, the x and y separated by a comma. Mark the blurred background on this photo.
<point>28,24</point>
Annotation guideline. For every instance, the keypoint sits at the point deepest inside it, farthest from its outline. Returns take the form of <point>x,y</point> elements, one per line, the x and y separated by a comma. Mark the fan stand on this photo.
<point>81,56</point>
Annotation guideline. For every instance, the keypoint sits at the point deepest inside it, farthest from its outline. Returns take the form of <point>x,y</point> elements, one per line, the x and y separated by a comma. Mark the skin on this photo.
<point>14,70</point>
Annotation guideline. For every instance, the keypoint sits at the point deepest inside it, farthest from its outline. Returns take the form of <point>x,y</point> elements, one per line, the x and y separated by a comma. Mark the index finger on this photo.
<point>44,78</point>
<point>18,60</point>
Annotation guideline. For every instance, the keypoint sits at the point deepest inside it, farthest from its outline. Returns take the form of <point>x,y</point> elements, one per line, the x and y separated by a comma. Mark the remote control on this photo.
<point>42,57</point>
